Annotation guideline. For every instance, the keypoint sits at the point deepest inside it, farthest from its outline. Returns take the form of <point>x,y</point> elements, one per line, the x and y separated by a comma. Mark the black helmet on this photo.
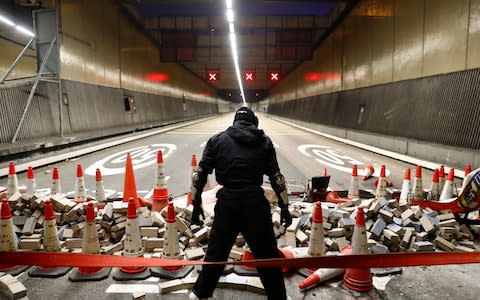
<point>246,114</point>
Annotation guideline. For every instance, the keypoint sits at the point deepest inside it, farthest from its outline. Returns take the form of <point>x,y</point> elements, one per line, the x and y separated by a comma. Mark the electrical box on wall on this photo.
<point>129,103</point>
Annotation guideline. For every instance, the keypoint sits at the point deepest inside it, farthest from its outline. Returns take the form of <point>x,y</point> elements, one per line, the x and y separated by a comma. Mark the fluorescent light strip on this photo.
<point>24,30</point>
<point>6,21</point>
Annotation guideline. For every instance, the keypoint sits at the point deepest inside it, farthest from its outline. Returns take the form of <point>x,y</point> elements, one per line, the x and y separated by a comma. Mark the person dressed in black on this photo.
<point>240,155</point>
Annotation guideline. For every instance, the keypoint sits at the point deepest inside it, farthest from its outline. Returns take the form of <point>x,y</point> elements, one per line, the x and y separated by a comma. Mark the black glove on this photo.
<point>285,217</point>
<point>197,211</point>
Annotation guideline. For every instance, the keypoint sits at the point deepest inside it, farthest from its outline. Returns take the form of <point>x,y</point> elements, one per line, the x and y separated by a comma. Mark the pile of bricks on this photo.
<point>11,287</point>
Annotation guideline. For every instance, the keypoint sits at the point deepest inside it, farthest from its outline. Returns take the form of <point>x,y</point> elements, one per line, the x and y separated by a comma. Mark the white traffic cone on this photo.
<point>31,184</point>
<point>368,172</point>
<point>56,187</point>
<point>353,189</point>
<point>382,184</point>
<point>193,166</point>
<point>171,249</point>
<point>447,192</point>
<point>441,177</point>
<point>80,190</point>
<point>132,246</point>
<point>435,188</point>
<point>90,245</point>
<point>316,244</point>
<point>12,182</point>
<point>406,186</point>
<point>50,244</point>
<point>160,191</point>
<point>417,189</point>
<point>99,189</point>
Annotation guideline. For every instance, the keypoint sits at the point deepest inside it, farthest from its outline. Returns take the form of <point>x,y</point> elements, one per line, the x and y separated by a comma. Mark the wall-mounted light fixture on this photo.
<point>19,28</point>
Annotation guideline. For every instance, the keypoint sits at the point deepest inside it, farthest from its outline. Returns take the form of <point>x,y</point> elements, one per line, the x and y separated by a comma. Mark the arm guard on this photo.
<point>278,185</point>
<point>199,179</point>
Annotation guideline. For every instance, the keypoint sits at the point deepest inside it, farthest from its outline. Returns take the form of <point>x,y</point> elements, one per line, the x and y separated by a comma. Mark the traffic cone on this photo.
<point>56,187</point>
<point>99,189</point>
<point>12,182</point>
<point>171,249</point>
<point>91,245</point>
<point>50,244</point>
<point>468,170</point>
<point>129,185</point>
<point>435,188</point>
<point>31,183</point>
<point>447,191</point>
<point>417,189</point>
<point>406,186</point>
<point>441,177</point>
<point>160,191</point>
<point>322,275</point>
<point>382,184</point>
<point>8,239</point>
<point>353,189</point>
<point>194,166</point>
<point>324,172</point>
<point>132,247</point>
<point>316,244</point>
<point>80,190</point>
<point>359,280</point>
<point>368,172</point>
<point>244,270</point>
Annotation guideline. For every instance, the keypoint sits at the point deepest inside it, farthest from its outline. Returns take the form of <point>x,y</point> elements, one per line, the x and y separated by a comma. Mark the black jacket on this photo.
<point>240,155</point>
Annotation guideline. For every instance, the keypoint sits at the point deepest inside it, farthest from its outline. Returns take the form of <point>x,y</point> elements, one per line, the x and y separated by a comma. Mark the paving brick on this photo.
<point>194,253</point>
<point>443,244</point>
<point>378,227</point>
<point>427,225</point>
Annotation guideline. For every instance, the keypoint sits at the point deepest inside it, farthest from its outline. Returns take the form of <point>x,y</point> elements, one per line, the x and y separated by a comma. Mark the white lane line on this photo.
<point>132,288</point>
<point>61,157</point>
<point>406,158</point>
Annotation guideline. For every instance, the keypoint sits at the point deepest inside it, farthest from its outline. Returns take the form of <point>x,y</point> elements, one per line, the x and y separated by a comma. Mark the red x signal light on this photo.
<point>274,76</point>
<point>249,76</point>
<point>213,76</point>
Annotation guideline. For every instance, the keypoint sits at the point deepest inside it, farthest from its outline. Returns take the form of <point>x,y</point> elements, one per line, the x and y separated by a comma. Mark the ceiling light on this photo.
<point>6,21</point>
<point>230,15</point>
<point>24,30</point>
<point>229,3</point>
<point>232,28</point>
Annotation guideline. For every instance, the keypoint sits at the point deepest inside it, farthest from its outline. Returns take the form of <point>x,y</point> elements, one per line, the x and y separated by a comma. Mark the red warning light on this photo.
<point>213,76</point>
<point>313,77</point>
<point>156,77</point>
<point>249,76</point>
<point>274,76</point>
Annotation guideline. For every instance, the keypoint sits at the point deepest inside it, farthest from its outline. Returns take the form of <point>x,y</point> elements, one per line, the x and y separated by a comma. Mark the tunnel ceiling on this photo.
<point>272,36</point>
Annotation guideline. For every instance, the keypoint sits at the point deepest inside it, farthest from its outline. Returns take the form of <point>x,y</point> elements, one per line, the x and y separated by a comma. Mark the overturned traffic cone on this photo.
<point>417,189</point>
<point>353,189</point>
<point>447,191</point>
<point>368,172</point>
<point>12,183</point>
<point>8,239</point>
<point>382,184</point>
<point>50,244</point>
<point>129,185</point>
<point>132,247</point>
<point>31,186</point>
<point>406,186</point>
<point>435,188</point>
<point>194,166</point>
<point>171,249</point>
<point>99,189</point>
<point>441,177</point>
<point>359,280</point>
<point>160,191</point>
<point>80,190</point>
<point>56,187</point>
<point>90,245</point>
<point>321,275</point>
<point>246,270</point>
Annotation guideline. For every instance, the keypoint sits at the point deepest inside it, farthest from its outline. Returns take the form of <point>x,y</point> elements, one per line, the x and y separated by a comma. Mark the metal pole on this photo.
<point>60,106</point>
<point>17,60</point>
<point>34,87</point>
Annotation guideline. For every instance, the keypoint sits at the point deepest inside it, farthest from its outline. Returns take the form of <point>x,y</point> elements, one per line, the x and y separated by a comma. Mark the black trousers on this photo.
<point>245,211</point>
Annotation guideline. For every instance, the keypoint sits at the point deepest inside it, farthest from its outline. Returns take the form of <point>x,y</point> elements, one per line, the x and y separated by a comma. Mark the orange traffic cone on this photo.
<point>129,185</point>
<point>91,245</point>
<point>322,275</point>
<point>441,177</point>
<point>447,191</point>
<point>56,187</point>
<point>468,170</point>
<point>99,189</point>
<point>194,166</point>
<point>435,188</point>
<point>353,190</point>
<point>50,244</point>
<point>244,270</point>
<point>359,280</point>
<point>132,247</point>
<point>31,186</point>
<point>406,186</point>
<point>382,184</point>
<point>160,191</point>
<point>316,244</point>
<point>324,172</point>
<point>417,189</point>
<point>368,172</point>
<point>171,249</point>
<point>80,190</point>
<point>12,183</point>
